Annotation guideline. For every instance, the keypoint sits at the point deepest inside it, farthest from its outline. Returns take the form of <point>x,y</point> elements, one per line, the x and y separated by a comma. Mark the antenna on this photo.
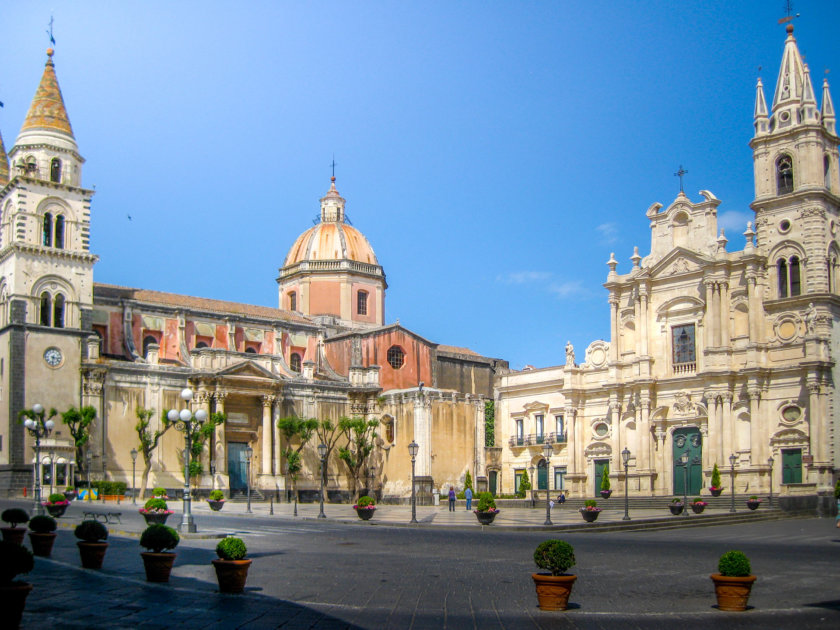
<point>788,12</point>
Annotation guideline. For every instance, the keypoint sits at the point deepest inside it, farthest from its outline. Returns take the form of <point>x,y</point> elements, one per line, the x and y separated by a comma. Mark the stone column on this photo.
<point>724,313</point>
<point>817,423</point>
<point>643,296</point>
<point>613,328</point>
<point>571,433</point>
<point>645,446</point>
<point>726,438</point>
<point>202,401</point>
<point>277,467</point>
<point>716,315</point>
<point>220,447</point>
<point>637,315</point>
<point>756,438</point>
<point>707,319</point>
<point>713,428</point>
<point>662,483</point>
<point>267,404</point>
<point>423,435</point>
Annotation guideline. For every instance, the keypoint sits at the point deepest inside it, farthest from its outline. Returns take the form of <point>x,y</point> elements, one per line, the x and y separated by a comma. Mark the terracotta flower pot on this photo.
<point>92,554</point>
<point>732,592</point>
<point>158,565</point>
<point>231,574</point>
<point>42,543</point>
<point>553,590</point>
<point>12,601</point>
<point>13,534</point>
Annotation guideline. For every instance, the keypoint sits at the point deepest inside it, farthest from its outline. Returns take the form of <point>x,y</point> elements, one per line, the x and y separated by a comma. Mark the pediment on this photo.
<point>248,369</point>
<point>536,406</point>
<point>679,261</point>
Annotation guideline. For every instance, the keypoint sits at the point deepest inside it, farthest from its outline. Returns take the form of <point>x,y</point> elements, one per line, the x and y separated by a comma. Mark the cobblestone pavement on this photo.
<point>341,573</point>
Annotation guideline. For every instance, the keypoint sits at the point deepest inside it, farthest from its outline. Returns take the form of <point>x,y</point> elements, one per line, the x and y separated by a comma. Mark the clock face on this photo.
<point>53,357</point>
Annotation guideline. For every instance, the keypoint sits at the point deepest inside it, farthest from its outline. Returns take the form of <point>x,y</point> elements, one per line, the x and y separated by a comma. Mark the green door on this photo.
<point>792,465</point>
<point>237,465</point>
<point>493,481</point>
<point>600,465</point>
<point>688,441</point>
<point>542,475</point>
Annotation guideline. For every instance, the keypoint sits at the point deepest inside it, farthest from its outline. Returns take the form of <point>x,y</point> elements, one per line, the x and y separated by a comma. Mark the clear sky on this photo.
<point>494,153</point>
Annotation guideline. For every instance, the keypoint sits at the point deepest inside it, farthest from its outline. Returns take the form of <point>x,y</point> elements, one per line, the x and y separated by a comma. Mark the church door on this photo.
<point>237,465</point>
<point>493,482</point>
<point>600,465</point>
<point>542,475</point>
<point>688,441</point>
<point>792,465</point>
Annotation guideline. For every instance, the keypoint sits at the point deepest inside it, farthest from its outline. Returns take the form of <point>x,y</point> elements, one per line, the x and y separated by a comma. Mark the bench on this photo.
<point>107,518</point>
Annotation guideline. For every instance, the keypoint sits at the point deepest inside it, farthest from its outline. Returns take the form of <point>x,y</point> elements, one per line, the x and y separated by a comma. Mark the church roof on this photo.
<point>47,111</point>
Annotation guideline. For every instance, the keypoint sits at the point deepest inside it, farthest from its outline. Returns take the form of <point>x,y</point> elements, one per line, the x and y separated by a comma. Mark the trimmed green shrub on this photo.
<point>468,481</point>
<point>57,498</point>
<point>365,501</point>
<point>158,537</point>
<point>15,516</point>
<point>590,503</point>
<point>91,531</point>
<point>231,548</point>
<point>217,495</point>
<point>14,560</point>
<point>159,492</point>
<point>524,484</point>
<point>42,524</point>
<point>555,555</point>
<point>837,490</point>
<point>605,478</point>
<point>715,476</point>
<point>734,564</point>
<point>155,504</point>
<point>753,498</point>
<point>486,502</point>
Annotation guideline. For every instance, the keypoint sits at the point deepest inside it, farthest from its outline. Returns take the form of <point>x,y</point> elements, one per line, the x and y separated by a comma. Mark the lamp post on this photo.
<point>133,469</point>
<point>38,428</point>
<point>88,464</point>
<point>213,474</point>
<point>186,418</point>
<point>372,476</point>
<point>412,450</point>
<point>249,453</point>
<point>532,481</point>
<point>548,449</point>
<point>322,453</point>
<point>732,460</point>
<point>51,457</point>
<point>625,458</point>
<point>684,459</point>
<point>770,461</point>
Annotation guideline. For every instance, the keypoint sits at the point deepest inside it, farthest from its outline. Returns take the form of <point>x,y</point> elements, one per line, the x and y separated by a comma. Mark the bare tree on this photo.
<point>148,441</point>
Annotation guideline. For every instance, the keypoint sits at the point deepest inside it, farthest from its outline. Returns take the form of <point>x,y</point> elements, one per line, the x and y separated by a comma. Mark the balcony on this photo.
<point>685,368</point>
<point>536,439</point>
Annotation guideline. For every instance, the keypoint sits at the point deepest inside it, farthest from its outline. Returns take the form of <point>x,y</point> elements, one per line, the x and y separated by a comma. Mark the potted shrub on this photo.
<point>605,483</point>
<point>216,500</point>
<point>676,506</point>
<point>92,545</point>
<point>56,504</point>
<point>733,581</point>
<point>42,534</point>
<point>486,510</point>
<point>365,507</point>
<point>158,538</point>
<point>69,493</point>
<point>590,511</point>
<point>14,517</point>
<point>715,488</point>
<point>554,588</point>
<point>155,511</point>
<point>698,505</point>
<point>15,559</point>
<point>231,565</point>
<point>159,493</point>
<point>753,502</point>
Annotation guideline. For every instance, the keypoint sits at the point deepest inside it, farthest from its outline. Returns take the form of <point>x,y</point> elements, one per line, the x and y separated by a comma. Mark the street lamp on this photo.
<point>372,477</point>
<point>38,428</point>
<point>532,480</point>
<point>249,453</point>
<point>732,460</point>
<point>412,450</point>
<point>51,457</point>
<point>625,458</point>
<point>186,417</point>
<point>213,474</point>
<point>684,460</point>
<point>770,461</point>
<point>548,449</point>
<point>322,453</point>
<point>133,469</point>
<point>88,464</point>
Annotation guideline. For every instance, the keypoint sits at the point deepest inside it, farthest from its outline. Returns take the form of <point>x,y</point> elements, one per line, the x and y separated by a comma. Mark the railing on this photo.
<point>535,439</point>
<point>685,368</point>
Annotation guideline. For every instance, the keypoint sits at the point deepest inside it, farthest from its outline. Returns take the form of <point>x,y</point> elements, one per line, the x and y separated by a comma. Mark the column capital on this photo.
<point>754,392</point>
<point>268,400</point>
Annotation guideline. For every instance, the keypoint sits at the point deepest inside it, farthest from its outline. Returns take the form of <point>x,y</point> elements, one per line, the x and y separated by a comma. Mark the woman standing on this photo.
<point>451,499</point>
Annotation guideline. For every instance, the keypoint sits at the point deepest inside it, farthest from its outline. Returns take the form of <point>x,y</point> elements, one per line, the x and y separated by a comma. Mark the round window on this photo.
<point>396,357</point>
<point>601,429</point>
<point>784,225</point>
<point>792,413</point>
<point>784,116</point>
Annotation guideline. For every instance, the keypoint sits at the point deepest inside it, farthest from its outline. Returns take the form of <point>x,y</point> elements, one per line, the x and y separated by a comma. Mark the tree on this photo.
<point>605,478</point>
<point>489,423</point>
<point>524,484</point>
<point>360,434</point>
<point>715,477</point>
<point>301,429</point>
<point>328,433</point>
<point>199,434</point>
<point>468,481</point>
<point>148,440</point>
<point>79,421</point>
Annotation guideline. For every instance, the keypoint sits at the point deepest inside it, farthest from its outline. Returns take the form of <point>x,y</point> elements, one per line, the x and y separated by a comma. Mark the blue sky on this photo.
<point>494,153</point>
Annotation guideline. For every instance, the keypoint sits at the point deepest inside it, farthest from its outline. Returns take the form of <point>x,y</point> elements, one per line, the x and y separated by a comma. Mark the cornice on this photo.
<point>51,252</point>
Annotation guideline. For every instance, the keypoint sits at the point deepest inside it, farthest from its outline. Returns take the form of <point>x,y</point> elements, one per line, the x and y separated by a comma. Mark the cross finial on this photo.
<point>50,32</point>
<point>332,164</point>
<point>788,12</point>
<point>680,174</point>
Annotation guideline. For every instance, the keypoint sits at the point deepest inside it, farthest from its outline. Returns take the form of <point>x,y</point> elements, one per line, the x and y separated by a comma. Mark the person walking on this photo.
<point>451,499</point>
<point>468,497</point>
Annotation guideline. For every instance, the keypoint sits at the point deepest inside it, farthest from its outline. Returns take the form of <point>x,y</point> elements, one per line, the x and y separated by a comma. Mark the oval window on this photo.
<point>792,413</point>
<point>601,429</point>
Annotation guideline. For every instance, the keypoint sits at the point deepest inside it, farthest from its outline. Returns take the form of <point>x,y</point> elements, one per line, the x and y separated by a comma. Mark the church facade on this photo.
<point>715,357</point>
<point>326,352</point>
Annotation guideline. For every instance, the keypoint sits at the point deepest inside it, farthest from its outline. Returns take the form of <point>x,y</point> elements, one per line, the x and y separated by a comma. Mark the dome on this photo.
<point>331,241</point>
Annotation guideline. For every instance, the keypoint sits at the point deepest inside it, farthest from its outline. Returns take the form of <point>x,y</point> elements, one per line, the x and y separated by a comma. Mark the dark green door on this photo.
<point>688,441</point>
<point>600,465</point>
<point>237,466</point>
<point>493,481</point>
<point>792,465</point>
<point>542,475</point>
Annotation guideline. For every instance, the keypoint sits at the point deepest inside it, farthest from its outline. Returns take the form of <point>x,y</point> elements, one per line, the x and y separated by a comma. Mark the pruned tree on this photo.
<point>302,430</point>
<point>149,440</point>
<point>468,481</point>
<point>360,434</point>
<point>78,421</point>
<point>329,433</point>
<point>200,432</point>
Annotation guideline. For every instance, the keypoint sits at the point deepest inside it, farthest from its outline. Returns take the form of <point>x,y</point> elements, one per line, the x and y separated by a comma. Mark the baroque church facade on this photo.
<point>729,357</point>
<point>326,352</point>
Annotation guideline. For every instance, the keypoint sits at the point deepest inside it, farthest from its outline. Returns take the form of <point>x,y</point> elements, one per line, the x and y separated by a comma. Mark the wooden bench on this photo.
<point>107,517</point>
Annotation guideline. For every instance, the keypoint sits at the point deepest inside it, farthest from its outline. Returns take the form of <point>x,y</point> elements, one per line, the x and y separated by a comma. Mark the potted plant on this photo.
<point>698,505</point>
<point>486,510</point>
<point>42,534</point>
<point>605,482</point>
<point>715,488</point>
<point>554,588</point>
<point>14,517</point>
<point>157,538</point>
<point>365,507</point>
<point>590,511</point>
<point>15,559</point>
<point>57,504</point>
<point>92,545</point>
<point>216,500</point>
<point>69,493</point>
<point>676,506</point>
<point>155,511</point>
<point>753,502</point>
<point>733,581</point>
<point>159,493</point>
<point>231,565</point>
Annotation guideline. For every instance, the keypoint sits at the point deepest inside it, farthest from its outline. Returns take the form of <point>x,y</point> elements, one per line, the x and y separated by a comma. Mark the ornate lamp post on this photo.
<point>770,461</point>
<point>532,481</point>
<point>322,454</point>
<point>51,457</point>
<point>249,453</point>
<point>213,474</point>
<point>548,449</point>
<point>133,469</point>
<point>38,428</point>
<point>684,459</point>
<point>186,418</point>
<point>372,476</point>
<point>88,464</point>
<point>412,450</point>
<point>625,459</point>
<point>732,460</point>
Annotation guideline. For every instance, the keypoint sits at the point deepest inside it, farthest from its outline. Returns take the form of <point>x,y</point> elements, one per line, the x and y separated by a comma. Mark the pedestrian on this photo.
<point>468,497</point>
<point>562,498</point>
<point>451,499</point>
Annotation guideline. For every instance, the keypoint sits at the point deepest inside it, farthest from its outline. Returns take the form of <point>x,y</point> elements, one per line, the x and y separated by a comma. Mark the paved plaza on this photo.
<point>448,572</point>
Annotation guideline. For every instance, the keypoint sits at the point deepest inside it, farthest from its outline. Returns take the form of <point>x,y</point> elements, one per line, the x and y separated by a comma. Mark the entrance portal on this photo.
<point>688,440</point>
<point>237,465</point>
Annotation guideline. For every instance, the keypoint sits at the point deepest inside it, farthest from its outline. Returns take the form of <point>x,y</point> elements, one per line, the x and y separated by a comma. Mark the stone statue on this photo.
<point>811,319</point>
<point>570,353</point>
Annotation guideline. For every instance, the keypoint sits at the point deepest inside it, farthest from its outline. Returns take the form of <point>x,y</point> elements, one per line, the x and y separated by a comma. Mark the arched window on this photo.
<point>48,222</point>
<point>250,350</point>
<point>294,362</point>
<point>784,175</point>
<point>361,302</point>
<point>292,301</point>
<point>795,284</point>
<point>58,311</point>
<point>832,273</point>
<point>827,170</point>
<point>55,170</point>
<point>200,344</point>
<point>59,232</point>
<point>46,307</point>
<point>789,276</point>
<point>147,341</point>
<point>782,272</point>
<point>396,357</point>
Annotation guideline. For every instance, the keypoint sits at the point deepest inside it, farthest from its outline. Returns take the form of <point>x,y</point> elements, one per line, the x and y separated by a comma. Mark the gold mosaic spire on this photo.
<point>47,109</point>
<point>4,164</point>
